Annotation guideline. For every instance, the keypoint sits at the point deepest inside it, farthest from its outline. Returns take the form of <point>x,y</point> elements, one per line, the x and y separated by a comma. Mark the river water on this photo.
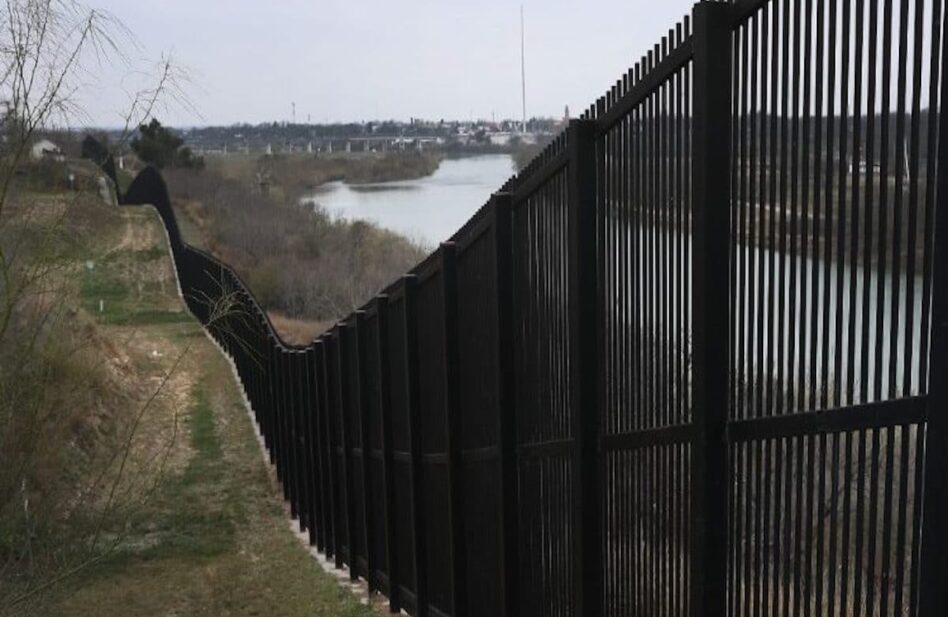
<point>427,209</point>
<point>431,209</point>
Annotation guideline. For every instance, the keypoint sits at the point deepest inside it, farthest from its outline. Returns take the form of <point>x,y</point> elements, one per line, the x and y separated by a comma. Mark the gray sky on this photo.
<point>350,60</point>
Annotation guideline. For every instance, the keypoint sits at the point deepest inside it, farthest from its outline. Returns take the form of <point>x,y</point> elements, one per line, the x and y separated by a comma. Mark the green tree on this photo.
<point>160,147</point>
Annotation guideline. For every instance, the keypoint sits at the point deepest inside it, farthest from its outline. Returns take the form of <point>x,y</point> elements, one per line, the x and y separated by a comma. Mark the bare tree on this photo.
<point>48,50</point>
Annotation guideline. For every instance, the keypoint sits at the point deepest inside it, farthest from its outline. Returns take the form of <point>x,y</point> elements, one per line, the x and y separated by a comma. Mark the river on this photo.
<point>429,209</point>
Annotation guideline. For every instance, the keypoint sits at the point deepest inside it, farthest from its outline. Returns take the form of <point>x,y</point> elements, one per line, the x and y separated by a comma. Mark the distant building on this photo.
<point>500,138</point>
<point>44,149</point>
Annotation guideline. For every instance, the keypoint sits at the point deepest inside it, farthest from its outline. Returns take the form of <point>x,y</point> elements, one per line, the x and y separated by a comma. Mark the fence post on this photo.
<point>296,425</point>
<point>292,450</point>
<point>506,407</point>
<point>367,498</point>
<point>288,444</point>
<point>267,424</point>
<point>583,342</point>
<point>449,290</point>
<point>315,447</point>
<point>343,410</point>
<point>335,473</point>
<point>394,595</point>
<point>414,431</point>
<point>711,296</point>
<point>309,468</point>
<point>933,566</point>
<point>275,401</point>
<point>284,440</point>
<point>322,446</point>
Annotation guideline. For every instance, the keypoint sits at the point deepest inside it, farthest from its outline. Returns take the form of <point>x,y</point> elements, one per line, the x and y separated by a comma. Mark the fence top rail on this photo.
<point>477,226</point>
<point>541,176</point>
<point>430,265</point>
<point>395,290</point>
<point>628,98</point>
<point>745,9</point>
<point>151,176</point>
<point>654,68</point>
<point>474,225</point>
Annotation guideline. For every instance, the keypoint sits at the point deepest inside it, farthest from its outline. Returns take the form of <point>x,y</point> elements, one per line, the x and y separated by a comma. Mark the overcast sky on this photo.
<point>352,60</point>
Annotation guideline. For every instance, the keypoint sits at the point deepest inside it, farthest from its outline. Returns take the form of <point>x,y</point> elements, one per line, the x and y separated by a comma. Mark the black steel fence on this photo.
<point>692,360</point>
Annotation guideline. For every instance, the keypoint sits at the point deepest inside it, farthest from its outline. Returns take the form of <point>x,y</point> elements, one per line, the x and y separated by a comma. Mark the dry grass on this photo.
<point>211,538</point>
<point>297,260</point>
<point>297,331</point>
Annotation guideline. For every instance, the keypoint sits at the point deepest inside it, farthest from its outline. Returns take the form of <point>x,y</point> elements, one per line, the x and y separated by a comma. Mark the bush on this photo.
<point>160,147</point>
<point>297,259</point>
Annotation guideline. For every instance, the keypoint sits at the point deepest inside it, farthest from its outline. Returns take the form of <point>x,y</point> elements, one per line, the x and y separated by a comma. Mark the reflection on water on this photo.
<point>806,333</point>
<point>428,209</point>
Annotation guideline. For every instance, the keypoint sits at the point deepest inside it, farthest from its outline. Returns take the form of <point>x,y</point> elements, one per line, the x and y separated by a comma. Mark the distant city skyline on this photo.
<point>358,61</point>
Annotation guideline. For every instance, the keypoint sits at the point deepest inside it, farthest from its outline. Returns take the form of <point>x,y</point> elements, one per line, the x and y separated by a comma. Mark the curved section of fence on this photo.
<point>679,365</point>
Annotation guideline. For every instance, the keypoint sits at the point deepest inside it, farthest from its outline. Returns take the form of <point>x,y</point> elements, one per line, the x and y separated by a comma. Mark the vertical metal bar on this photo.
<point>933,565</point>
<point>277,409</point>
<point>813,352</point>
<point>308,476</point>
<point>931,153</point>
<point>854,207</point>
<point>345,418</point>
<point>927,279</point>
<point>898,206</point>
<point>452,422</point>
<point>584,328</point>
<point>341,451</point>
<point>860,518</point>
<point>782,318</point>
<point>289,417</point>
<point>298,377</point>
<point>367,497</point>
<point>319,447</point>
<point>418,501</point>
<point>711,298</point>
<point>883,236</point>
<point>271,398</point>
<point>866,393</point>
<point>505,374</point>
<point>329,456</point>
<point>285,446</point>
<point>309,467</point>
<point>388,462</point>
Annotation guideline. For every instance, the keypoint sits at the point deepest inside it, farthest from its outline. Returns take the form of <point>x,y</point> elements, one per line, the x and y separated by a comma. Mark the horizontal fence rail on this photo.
<point>689,361</point>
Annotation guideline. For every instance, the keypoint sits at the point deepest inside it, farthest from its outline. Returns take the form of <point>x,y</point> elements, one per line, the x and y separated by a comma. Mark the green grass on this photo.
<point>108,297</point>
<point>191,525</point>
<point>215,541</point>
<point>124,179</point>
<point>204,437</point>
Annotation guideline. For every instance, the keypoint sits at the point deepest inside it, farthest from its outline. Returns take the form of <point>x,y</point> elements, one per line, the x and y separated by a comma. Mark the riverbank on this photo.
<point>294,174</point>
<point>300,262</point>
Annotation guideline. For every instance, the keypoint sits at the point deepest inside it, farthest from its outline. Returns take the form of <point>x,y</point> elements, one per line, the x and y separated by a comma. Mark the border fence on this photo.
<point>690,361</point>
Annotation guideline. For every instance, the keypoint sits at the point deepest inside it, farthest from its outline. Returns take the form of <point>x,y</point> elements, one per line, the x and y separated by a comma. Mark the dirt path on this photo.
<point>214,539</point>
